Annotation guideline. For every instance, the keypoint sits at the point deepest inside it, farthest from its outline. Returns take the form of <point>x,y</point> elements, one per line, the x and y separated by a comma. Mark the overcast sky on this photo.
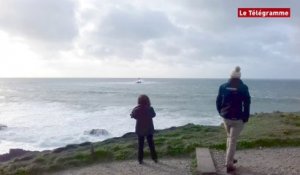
<point>157,38</point>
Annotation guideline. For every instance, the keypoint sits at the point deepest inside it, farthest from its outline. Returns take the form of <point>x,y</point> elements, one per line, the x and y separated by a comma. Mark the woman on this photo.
<point>143,113</point>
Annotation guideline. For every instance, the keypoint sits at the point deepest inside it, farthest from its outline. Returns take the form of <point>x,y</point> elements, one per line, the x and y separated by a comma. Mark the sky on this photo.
<point>148,39</point>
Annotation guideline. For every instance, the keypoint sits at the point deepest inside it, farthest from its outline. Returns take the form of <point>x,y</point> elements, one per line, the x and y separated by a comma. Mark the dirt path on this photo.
<point>270,161</point>
<point>163,167</point>
<point>275,161</point>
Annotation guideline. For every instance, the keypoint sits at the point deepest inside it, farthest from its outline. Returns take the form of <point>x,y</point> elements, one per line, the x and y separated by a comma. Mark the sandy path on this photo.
<point>163,167</point>
<point>281,161</point>
<point>269,161</point>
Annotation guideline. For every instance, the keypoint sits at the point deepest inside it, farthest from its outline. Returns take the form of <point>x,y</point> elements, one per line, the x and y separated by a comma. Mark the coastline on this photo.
<point>277,129</point>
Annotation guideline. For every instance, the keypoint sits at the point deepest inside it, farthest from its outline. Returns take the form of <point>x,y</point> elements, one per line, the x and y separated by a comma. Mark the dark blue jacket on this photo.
<point>144,123</point>
<point>234,102</point>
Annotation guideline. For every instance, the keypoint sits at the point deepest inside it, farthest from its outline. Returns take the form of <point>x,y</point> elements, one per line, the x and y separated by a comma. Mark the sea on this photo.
<point>46,113</point>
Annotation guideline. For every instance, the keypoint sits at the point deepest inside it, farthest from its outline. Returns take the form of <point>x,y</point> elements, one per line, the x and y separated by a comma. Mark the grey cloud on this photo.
<point>123,32</point>
<point>166,47</point>
<point>220,16</point>
<point>206,31</point>
<point>123,50</point>
<point>183,32</point>
<point>46,21</point>
<point>136,25</point>
<point>243,44</point>
<point>214,33</point>
<point>200,47</point>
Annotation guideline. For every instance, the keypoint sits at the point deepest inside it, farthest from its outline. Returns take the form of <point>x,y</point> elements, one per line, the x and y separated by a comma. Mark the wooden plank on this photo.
<point>205,164</point>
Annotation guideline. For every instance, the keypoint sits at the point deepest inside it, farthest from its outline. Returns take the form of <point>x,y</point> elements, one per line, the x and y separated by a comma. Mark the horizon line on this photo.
<point>250,78</point>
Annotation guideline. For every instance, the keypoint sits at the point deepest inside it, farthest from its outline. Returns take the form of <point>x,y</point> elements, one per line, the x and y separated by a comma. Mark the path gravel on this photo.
<point>163,167</point>
<point>269,161</point>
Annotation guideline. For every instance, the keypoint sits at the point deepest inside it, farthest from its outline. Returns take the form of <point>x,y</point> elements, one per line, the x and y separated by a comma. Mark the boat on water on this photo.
<point>139,81</point>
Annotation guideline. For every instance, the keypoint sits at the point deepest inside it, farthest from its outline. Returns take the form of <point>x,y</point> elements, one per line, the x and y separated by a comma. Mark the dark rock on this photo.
<point>13,153</point>
<point>72,146</point>
<point>2,126</point>
<point>85,144</point>
<point>58,150</point>
<point>129,135</point>
<point>97,132</point>
<point>66,148</point>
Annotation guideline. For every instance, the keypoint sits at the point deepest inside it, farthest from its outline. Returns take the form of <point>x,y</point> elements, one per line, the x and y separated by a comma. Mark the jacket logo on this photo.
<point>231,89</point>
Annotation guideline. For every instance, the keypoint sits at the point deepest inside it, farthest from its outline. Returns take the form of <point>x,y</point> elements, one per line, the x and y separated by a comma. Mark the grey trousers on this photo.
<point>233,129</point>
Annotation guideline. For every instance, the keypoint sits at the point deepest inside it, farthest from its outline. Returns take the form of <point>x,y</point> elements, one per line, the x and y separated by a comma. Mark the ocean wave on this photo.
<point>276,98</point>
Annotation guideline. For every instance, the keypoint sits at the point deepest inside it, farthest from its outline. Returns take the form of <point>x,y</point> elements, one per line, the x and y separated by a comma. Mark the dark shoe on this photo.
<point>155,160</point>
<point>230,169</point>
<point>141,162</point>
<point>235,161</point>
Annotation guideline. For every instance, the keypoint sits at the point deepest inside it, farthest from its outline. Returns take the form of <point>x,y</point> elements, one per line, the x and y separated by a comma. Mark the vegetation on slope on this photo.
<point>263,130</point>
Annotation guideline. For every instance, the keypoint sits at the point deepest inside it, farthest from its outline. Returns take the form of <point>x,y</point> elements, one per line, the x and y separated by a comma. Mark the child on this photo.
<point>143,113</point>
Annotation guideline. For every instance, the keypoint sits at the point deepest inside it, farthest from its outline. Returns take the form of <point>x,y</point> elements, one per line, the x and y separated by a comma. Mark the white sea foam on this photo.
<point>50,125</point>
<point>41,126</point>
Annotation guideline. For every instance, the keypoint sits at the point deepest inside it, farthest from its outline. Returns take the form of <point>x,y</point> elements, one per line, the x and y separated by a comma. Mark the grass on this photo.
<point>263,130</point>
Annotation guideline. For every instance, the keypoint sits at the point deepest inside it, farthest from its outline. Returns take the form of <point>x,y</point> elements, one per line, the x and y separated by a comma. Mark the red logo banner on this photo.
<point>264,12</point>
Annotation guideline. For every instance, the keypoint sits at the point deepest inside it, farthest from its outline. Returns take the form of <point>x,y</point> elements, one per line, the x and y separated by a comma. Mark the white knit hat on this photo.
<point>236,73</point>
